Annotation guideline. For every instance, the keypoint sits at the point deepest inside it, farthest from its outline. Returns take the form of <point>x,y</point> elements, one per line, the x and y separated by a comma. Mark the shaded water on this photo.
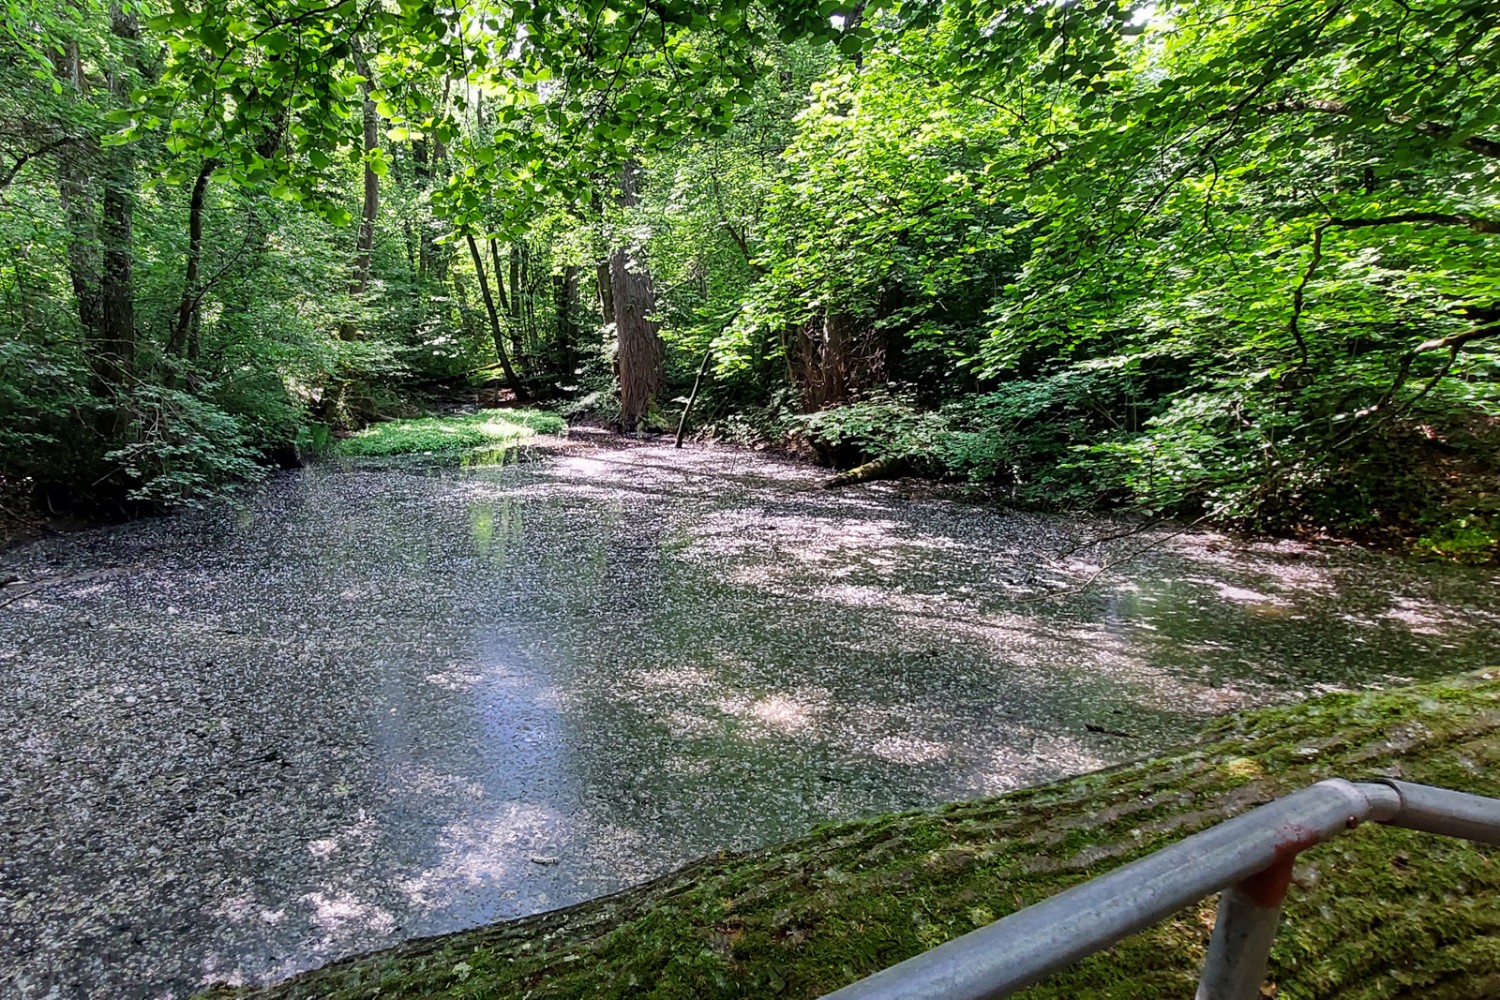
<point>373,705</point>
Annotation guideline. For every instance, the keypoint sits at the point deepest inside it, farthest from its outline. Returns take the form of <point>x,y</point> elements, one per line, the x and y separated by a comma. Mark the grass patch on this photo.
<point>1377,913</point>
<point>450,435</point>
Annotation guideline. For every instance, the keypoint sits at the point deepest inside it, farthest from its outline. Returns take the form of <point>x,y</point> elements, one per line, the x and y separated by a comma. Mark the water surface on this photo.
<point>364,706</point>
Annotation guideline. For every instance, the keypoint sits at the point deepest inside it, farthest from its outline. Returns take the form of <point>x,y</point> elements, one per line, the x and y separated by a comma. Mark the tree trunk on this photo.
<point>116,356</point>
<point>838,335</point>
<point>465,314</point>
<point>187,309</point>
<point>524,298</point>
<point>834,357</point>
<point>83,239</point>
<point>639,356</point>
<point>423,173</point>
<point>687,407</point>
<point>499,277</point>
<point>606,293</point>
<point>75,192</point>
<point>496,330</point>
<point>565,305</point>
<point>365,246</point>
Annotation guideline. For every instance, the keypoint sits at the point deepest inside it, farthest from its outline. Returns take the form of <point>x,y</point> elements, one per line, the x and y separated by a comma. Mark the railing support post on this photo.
<point>1235,967</point>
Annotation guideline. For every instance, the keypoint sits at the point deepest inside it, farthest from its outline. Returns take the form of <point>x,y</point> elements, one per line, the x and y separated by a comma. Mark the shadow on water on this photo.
<point>368,705</point>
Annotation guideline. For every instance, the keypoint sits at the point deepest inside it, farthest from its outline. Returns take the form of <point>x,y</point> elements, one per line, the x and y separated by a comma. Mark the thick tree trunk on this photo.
<point>838,333</point>
<point>117,340</point>
<point>496,330</point>
<point>835,356</point>
<point>639,355</point>
<point>116,354</point>
<point>75,191</point>
<point>83,243</point>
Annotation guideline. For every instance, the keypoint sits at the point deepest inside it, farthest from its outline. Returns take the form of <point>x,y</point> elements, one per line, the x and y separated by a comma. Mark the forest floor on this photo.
<point>1377,913</point>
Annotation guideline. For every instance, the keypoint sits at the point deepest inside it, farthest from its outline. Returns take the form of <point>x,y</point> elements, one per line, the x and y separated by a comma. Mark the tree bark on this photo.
<point>499,276</point>
<point>75,192</point>
<point>370,209</point>
<point>187,309</point>
<point>606,293</point>
<point>83,238</point>
<point>496,330</point>
<point>524,297</point>
<point>565,305</point>
<point>116,355</point>
<point>639,354</point>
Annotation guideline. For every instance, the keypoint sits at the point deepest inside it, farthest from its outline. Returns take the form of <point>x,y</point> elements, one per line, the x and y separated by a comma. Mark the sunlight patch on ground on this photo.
<point>456,679</point>
<point>340,914</point>
<point>909,750</point>
<point>781,713</point>
<point>1009,767</point>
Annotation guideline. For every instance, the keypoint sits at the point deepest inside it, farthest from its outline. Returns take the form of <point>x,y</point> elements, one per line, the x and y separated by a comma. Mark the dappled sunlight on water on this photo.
<point>368,706</point>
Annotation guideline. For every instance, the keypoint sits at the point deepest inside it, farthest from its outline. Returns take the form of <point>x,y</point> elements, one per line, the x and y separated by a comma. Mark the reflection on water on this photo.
<point>373,705</point>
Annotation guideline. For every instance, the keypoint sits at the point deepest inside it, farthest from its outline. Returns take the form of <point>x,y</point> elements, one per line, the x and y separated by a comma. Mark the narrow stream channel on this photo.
<point>365,706</point>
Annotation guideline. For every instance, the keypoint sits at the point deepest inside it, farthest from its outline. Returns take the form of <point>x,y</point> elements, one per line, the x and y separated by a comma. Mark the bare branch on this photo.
<point>25,158</point>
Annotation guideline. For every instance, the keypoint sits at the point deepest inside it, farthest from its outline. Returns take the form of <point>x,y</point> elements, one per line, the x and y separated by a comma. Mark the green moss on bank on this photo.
<point>450,435</point>
<point>1378,913</point>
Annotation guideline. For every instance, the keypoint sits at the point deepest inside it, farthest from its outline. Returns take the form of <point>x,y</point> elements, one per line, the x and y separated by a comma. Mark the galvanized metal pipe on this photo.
<point>1240,948</point>
<point>1252,854</point>
<point>1446,812</point>
<point>1020,949</point>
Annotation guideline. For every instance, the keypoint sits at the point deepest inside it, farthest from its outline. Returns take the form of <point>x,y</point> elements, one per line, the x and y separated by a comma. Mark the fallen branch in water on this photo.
<point>1141,528</point>
<point>1116,563</point>
<point>53,581</point>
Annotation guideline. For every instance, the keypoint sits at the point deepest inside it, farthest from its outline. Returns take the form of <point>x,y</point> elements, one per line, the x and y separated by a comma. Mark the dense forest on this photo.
<point>1218,259</point>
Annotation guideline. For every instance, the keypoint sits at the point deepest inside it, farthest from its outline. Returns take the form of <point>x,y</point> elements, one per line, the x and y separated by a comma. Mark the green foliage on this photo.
<point>575,89</point>
<point>1471,539</point>
<point>180,448</point>
<point>43,399</point>
<point>1216,259</point>
<point>450,435</point>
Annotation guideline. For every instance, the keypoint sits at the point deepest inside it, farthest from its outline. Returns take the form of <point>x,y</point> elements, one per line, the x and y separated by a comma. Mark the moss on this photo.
<point>1378,913</point>
<point>459,434</point>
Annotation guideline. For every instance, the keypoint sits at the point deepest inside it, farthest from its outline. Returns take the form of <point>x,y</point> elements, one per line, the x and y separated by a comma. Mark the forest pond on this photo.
<point>362,706</point>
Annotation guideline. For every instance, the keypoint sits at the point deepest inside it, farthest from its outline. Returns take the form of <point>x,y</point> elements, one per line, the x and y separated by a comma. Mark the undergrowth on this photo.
<point>1427,485</point>
<point>450,435</point>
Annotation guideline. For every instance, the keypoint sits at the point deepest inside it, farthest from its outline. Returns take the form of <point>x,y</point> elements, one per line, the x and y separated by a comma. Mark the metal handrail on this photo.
<point>1249,857</point>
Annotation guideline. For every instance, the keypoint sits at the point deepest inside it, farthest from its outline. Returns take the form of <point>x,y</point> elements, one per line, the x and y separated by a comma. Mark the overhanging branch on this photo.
<point>1433,130</point>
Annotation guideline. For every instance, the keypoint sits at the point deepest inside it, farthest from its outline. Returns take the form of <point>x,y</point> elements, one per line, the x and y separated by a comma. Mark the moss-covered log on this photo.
<point>880,468</point>
<point>1378,913</point>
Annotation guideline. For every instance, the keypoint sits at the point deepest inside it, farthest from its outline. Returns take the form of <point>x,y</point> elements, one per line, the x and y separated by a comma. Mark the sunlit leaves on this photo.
<point>576,87</point>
